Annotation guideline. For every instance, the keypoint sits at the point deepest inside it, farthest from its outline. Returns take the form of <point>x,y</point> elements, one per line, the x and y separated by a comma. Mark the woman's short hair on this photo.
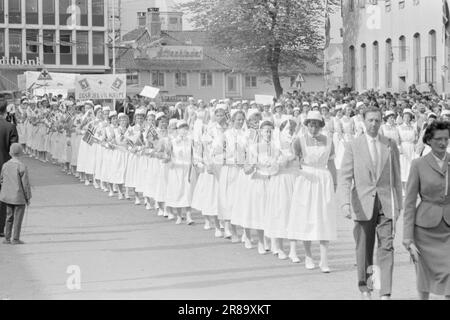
<point>432,128</point>
<point>165,117</point>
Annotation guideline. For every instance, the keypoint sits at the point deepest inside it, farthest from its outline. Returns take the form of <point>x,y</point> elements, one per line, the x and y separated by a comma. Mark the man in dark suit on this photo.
<point>8,136</point>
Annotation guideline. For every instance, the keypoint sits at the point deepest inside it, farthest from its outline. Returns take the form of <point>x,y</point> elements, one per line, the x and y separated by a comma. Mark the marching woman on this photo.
<point>84,150</point>
<point>422,149</point>
<point>348,130</point>
<point>181,178</point>
<point>278,116</point>
<point>108,152</point>
<point>358,119</point>
<point>267,114</point>
<point>100,137</point>
<point>312,217</point>
<point>119,156</point>
<point>90,155</point>
<point>280,190</point>
<point>389,129</point>
<point>329,128</point>
<point>260,165</point>
<point>408,139</point>
<point>235,144</point>
<point>135,141</point>
<point>76,139</point>
<point>338,136</point>
<point>206,193</point>
<point>162,154</point>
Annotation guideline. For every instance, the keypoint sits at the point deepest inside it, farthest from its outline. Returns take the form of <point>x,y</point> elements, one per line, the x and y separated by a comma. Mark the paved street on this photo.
<point>126,252</point>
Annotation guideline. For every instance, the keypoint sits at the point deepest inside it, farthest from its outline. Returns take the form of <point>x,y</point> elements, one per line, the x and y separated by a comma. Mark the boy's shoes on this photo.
<point>17,242</point>
<point>6,242</point>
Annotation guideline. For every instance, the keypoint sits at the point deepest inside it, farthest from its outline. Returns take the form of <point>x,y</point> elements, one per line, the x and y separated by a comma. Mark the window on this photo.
<point>2,42</point>
<point>173,20</point>
<point>2,11</point>
<point>32,13</point>
<point>82,48</point>
<point>352,66</point>
<point>82,5</point>
<point>416,58</point>
<point>132,78</point>
<point>65,47</point>
<point>49,47</point>
<point>362,3</point>
<point>430,61</point>
<point>401,4</point>
<point>206,79</point>
<point>98,40</point>
<point>389,58</point>
<point>158,79</point>
<point>250,82</point>
<point>376,65</point>
<point>402,49</point>
<point>388,5</point>
<point>32,44</point>
<point>15,11</point>
<point>98,13</point>
<point>363,66</point>
<point>231,84</point>
<point>48,12</point>
<point>15,43</point>
<point>181,79</point>
<point>351,5</point>
<point>65,13</point>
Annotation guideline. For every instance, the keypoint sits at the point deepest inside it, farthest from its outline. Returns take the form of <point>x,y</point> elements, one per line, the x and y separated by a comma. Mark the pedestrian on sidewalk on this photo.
<point>8,135</point>
<point>15,193</point>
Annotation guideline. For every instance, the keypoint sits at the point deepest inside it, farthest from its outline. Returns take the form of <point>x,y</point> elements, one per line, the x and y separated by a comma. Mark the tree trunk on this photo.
<point>274,63</point>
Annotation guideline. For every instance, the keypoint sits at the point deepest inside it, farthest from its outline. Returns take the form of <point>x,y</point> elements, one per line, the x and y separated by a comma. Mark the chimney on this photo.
<point>154,22</point>
<point>142,19</point>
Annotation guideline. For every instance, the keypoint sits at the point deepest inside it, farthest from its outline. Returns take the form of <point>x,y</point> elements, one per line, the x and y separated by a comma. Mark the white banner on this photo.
<point>150,92</point>
<point>264,99</point>
<point>104,86</point>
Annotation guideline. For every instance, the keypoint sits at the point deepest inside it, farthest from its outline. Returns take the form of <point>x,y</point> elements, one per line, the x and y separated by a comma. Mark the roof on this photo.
<point>214,59</point>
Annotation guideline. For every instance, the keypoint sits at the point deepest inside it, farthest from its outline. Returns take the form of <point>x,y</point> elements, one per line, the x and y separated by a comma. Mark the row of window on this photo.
<point>430,60</point>
<point>387,4</point>
<point>71,12</point>
<point>47,45</point>
<point>206,80</point>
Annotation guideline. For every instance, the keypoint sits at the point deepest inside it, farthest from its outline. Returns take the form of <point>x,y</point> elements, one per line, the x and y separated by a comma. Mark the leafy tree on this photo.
<point>267,35</point>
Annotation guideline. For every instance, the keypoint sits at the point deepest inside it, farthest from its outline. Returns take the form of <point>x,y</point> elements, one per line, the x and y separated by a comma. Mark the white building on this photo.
<point>392,44</point>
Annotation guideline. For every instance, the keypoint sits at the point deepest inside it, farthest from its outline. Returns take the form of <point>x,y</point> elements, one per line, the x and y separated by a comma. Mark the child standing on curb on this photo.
<point>15,193</point>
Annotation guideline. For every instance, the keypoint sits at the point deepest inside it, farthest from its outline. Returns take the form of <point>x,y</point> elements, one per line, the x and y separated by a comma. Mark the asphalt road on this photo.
<point>121,251</point>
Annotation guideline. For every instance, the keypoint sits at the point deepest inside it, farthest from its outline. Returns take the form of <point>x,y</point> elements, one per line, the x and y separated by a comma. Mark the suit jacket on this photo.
<point>358,184</point>
<point>16,188</point>
<point>427,180</point>
<point>8,136</point>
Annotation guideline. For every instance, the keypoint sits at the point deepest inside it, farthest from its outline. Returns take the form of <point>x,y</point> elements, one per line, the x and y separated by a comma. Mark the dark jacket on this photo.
<point>16,188</point>
<point>8,136</point>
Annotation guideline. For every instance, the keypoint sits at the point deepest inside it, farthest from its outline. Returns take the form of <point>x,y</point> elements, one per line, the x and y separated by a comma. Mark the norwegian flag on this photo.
<point>89,136</point>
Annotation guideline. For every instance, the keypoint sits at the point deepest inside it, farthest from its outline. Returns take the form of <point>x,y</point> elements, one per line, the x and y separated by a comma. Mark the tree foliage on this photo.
<point>265,34</point>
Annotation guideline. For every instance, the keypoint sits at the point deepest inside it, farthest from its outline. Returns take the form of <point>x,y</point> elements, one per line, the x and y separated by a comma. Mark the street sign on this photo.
<point>45,76</point>
<point>300,78</point>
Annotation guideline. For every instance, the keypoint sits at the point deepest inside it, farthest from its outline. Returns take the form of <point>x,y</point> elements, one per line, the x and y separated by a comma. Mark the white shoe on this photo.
<point>96,186</point>
<point>235,239</point>
<point>179,220</point>
<point>228,235</point>
<point>170,217</point>
<point>189,220</point>
<point>207,225</point>
<point>111,194</point>
<point>309,263</point>
<point>261,249</point>
<point>148,207</point>
<point>282,255</point>
<point>221,225</point>
<point>218,233</point>
<point>160,213</point>
<point>294,259</point>
<point>121,197</point>
<point>87,183</point>
<point>137,202</point>
<point>166,214</point>
<point>248,244</point>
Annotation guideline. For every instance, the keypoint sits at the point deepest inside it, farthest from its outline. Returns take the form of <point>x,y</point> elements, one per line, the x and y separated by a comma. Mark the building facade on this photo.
<point>392,44</point>
<point>58,35</point>
<point>185,63</point>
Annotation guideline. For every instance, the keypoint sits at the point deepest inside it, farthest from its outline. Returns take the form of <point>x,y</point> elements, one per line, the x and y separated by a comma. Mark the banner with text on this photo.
<point>105,86</point>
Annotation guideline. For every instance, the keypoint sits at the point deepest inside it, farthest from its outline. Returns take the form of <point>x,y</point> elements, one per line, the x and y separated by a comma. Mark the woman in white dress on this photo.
<point>229,173</point>
<point>408,139</point>
<point>358,119</point>
<point>280,189</point>
<point>119,161</point>
<point>312,214</point>
<point>338,136</point>
<point>389,129</point>
<point>100,137</point>
<point>108,152</point>
<point>181,178</point>
<point>83,150</point>
<point>348,133</point>
<point>329,129</point>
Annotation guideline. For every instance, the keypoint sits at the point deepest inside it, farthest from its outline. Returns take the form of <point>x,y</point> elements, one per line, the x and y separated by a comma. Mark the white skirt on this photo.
<point>132,171</point>
<point>119,162</point>
<point>250,205</point>
<point>161,176</point>
<point>206,195</point>
<point>99,152</point>
<point>227,190</point>
<point>150,177</point>
<point>81,160</point>
<point>141,179</point>
<point>313,212</point>
<point>406,157</point>
<point>279,197</point>
<point>90,158</point>
<point>75,142</point>
<point>180,189</point>
<point>106,169</point>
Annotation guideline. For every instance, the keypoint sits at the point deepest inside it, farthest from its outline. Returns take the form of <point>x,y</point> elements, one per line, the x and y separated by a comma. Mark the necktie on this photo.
<point>375,155</point>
